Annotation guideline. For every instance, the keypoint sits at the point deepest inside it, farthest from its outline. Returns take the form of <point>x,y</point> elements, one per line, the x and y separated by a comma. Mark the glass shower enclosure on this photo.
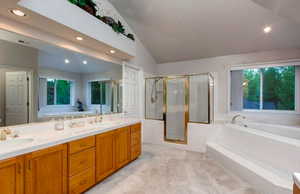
<point>179,100</point>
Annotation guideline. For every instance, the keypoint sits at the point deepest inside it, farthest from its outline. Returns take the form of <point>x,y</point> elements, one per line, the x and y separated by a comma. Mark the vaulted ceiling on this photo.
<point>177,30</point>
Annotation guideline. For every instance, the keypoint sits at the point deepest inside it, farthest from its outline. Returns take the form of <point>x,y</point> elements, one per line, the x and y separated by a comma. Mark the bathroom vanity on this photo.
<point>296,178</point>
<point>69,162</point>
<point>296,189</point>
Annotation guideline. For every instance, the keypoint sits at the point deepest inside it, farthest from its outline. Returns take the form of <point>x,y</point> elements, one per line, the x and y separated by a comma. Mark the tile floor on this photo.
<point>162,170</point>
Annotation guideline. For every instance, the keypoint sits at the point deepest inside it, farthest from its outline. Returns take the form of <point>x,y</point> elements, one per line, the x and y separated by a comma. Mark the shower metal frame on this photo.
<point>187,103</point>
<point>186,108</point>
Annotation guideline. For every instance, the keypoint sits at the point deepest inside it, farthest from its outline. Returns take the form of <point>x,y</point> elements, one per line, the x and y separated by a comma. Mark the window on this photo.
<point>58,92</point>
<point>269,88</point>
<point>251,91</point>
<point>98,92</point>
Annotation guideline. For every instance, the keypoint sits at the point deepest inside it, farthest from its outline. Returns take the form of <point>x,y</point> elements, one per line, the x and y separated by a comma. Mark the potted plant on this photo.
<point>130,36</point>
<point>91,7</point>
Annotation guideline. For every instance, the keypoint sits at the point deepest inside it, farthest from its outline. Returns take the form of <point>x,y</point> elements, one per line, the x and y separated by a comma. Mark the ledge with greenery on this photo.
<point>91,7</point>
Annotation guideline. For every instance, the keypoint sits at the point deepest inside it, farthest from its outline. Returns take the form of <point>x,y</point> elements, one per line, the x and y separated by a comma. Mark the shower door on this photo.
<point>176,109</point>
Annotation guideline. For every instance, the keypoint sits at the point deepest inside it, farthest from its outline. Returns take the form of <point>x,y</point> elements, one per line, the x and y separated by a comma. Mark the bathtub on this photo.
<point>264,155</point>
<point>286,131</point>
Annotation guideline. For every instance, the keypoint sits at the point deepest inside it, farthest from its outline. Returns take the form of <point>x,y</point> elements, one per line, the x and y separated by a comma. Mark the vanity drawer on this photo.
<point>81,161</point>
<point>82,144</point>
<point>82,181</point>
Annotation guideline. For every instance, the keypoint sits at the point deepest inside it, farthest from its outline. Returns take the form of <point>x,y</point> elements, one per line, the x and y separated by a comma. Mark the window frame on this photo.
<point>265,65</point>
<point>101,95</point>
<point>72,93</point>
<point>89,92</point>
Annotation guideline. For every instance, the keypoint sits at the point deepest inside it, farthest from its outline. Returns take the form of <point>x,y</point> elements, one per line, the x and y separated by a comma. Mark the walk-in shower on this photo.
<point>178,100</point>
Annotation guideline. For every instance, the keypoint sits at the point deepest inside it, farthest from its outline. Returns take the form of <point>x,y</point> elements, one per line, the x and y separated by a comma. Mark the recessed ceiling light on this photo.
<point>112,51</point>
<point>84,62</point>
<point>267,29</point>
<point>18,12</point>
<point>79,38</point>
<point>67,61</point>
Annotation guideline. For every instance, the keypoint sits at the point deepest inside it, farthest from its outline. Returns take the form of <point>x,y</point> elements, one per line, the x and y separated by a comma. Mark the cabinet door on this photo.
<point>11,176</point>
<point>122,146</point>
<point>105,155</point>
<point>136,142</point>
<point>46,171</point>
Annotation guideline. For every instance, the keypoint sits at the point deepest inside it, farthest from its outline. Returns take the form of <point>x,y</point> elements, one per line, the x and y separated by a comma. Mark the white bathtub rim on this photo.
<point>293,128</point>
<point>267,175</point>
<point>282,139</point>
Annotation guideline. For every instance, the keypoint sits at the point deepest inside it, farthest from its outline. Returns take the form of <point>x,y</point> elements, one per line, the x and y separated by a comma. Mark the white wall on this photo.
<point>143,58</point>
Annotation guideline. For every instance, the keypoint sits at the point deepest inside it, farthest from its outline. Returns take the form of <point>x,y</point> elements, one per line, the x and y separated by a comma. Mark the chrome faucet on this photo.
<point>233,121</point>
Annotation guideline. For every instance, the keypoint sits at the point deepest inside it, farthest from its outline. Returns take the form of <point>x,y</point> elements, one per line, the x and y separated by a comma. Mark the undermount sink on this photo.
<point>15,142</point>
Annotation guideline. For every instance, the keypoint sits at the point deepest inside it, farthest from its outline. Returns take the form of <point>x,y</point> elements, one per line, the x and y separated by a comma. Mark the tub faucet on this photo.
<point>233,121</point>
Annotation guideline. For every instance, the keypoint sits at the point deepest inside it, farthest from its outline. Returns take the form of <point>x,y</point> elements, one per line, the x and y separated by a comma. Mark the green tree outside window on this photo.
<point>278,88</point>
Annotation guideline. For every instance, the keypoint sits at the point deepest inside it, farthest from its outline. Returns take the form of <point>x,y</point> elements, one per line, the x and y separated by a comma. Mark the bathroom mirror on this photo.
<point>39,81</point>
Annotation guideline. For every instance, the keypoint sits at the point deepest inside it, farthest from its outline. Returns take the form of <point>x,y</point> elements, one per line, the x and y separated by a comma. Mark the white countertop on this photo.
<point>296,177</point>
<point>44,135</point>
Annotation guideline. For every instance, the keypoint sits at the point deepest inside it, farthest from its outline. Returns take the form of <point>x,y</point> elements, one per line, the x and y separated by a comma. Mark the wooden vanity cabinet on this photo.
<point>105,155</point>
<point>136,141</point>
<point>81,162</point>
<point>296,189</point>
<point>46,171</point>
<point>73,167</point>
<point>81,144</point>
<point>116,148</point>
<point>12,176</point>
<point>123,147</point>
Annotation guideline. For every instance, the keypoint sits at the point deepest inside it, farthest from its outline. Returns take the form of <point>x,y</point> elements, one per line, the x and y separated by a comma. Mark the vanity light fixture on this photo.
<point>79,38</point>
<point>84,62</point>
<point>18,12</point>
<point>67,61</point>
<point>267,29</point>
<point>112,51</point>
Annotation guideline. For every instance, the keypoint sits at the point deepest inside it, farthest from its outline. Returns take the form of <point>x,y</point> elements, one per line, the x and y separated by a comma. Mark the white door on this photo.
<point>131,95</point>
<point>16,98</point>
